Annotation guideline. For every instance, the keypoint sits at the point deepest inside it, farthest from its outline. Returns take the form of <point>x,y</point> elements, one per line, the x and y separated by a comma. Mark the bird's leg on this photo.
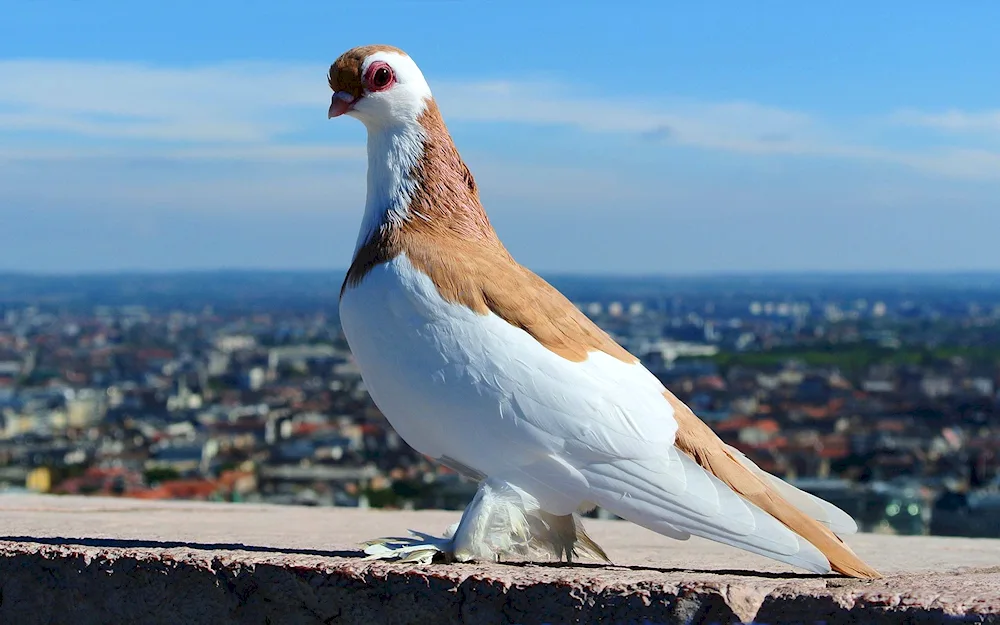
<point>495,523</point>
<point>502,520</point>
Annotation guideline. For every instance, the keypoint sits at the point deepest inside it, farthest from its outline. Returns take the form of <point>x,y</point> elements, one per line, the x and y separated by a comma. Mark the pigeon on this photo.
<point>483,366</point>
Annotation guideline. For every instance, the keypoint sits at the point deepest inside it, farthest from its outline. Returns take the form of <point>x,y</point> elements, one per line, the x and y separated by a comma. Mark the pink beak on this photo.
<point>341,103</point>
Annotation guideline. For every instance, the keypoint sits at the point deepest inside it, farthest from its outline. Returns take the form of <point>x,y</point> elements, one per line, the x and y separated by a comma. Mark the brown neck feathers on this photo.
<point>443,205</point>
<point>447,237</point>
<point>446,199</point>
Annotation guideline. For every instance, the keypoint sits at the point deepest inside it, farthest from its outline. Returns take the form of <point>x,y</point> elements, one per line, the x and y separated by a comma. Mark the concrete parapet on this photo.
<point>77,561</point>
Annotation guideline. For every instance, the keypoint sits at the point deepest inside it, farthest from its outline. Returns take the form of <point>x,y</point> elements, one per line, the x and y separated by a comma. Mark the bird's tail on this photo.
<point>768,493</point>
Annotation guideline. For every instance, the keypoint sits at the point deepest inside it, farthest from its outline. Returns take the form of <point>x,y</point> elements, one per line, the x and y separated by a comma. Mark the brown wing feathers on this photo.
<point>698,441</point>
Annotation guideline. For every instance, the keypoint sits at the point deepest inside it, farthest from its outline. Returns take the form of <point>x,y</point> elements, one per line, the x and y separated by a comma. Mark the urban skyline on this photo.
<point>880,395</point>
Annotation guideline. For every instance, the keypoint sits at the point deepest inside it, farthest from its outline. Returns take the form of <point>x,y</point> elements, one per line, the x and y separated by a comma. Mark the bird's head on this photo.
<point>379,85</point>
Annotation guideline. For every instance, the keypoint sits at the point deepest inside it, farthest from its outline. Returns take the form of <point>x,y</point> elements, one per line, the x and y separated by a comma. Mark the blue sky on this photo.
<point>650,138</point>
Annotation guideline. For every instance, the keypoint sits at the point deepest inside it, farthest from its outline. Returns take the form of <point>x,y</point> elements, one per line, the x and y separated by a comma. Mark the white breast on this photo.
<point>471,387</point>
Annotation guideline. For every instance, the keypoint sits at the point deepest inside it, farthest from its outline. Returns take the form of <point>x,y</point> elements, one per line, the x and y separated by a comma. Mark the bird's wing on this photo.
<point>825,512</point>
<point>575,417</point>
<point>616,419</point>
<point>616,429</point>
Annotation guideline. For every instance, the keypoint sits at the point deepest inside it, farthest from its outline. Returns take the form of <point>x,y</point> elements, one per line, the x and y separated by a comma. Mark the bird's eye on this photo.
<point>379,76</point>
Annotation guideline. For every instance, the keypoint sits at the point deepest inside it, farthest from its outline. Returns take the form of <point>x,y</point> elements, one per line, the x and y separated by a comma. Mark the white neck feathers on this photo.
<point>393,154</point>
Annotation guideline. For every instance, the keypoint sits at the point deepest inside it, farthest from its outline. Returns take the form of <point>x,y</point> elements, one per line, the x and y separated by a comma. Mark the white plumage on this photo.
<point>475,389</point>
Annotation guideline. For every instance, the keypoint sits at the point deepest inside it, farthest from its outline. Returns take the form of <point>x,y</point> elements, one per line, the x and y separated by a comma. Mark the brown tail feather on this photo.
<point>698,441</point>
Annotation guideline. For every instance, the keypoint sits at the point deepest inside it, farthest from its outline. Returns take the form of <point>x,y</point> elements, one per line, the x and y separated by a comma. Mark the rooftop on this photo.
<point>91,560</point>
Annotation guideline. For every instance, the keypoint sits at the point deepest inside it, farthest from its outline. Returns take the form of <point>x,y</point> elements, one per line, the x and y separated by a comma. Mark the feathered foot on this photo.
<point>419,548</point>
<point>501,521</point>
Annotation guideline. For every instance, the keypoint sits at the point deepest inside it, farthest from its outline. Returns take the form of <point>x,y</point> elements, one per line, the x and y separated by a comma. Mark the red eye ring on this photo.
<point>379,76</point>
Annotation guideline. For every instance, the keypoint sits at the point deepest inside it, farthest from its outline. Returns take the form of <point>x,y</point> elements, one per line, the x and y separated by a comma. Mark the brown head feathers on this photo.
<point>345,73</point>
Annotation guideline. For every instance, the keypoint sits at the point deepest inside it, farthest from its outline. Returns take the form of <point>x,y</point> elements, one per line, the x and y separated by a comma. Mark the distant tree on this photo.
<point>160,474</point>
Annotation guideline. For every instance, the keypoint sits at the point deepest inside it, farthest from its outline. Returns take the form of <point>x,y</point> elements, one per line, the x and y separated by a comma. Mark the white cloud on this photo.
<point>256,111</point>
<point>267,152</point>
<point>953,120</point>
<point>736,127</point>
<point>230,102</point>
<point>731,126</point>
<point>553,186</point>
<point>235,188</point>
<point>961,163</point>
<point>137,183</point>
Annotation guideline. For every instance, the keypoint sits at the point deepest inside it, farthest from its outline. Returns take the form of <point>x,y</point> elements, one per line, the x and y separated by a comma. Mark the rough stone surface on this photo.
<point>81,561</point>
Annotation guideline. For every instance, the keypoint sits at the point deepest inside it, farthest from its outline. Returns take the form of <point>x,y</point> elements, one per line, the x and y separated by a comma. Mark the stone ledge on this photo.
<point>81,560</point>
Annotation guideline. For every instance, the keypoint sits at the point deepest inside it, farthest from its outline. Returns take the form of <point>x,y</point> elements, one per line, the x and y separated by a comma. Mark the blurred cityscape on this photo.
<point>878,393</point>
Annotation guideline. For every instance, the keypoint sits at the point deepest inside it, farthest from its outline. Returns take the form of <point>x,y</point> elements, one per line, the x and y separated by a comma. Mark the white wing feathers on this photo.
<point>825,512</point>
<point>622,447</point>
<point>678,498</point>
